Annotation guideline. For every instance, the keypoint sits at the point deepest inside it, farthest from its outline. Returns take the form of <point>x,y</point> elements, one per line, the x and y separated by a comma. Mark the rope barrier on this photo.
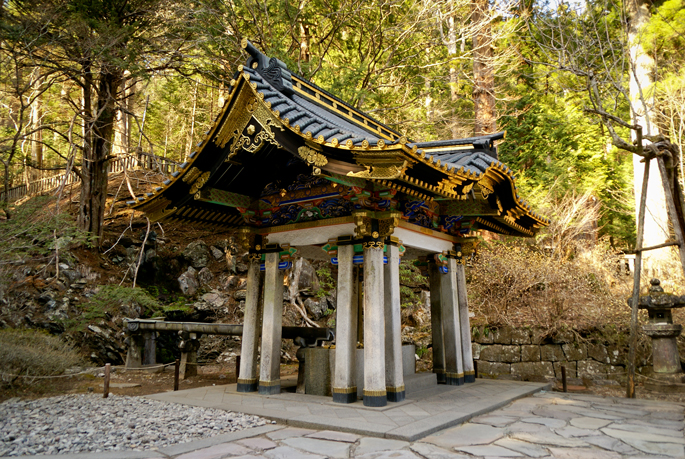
<point>119,367</point>
<point>54,376</point>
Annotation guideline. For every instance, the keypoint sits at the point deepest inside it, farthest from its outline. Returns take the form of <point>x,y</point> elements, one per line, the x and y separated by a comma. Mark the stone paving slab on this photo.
<point>422,413</point>
<point>514,431</point>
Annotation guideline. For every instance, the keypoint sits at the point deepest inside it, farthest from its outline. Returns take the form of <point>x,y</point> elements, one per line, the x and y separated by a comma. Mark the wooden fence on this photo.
<point>141,161</point>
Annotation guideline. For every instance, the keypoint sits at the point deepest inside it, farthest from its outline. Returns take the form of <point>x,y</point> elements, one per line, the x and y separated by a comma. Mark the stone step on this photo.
<point>420,381</point>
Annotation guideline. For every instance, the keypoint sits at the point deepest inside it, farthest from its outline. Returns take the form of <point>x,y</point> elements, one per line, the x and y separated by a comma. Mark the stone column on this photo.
<point>150,348</point>
<point>134,356</point>
<point>189,345</point>
<point>247,379</point>
<point>374,326</point>
<point>454,369</point>
<point>344,387</point>
<point>435,278</point>
<point>272,324</point>
<point>465,325</point>
<point>394,379</point>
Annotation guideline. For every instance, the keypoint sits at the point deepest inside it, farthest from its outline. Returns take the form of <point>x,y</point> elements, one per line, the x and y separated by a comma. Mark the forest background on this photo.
<point>86,81</point>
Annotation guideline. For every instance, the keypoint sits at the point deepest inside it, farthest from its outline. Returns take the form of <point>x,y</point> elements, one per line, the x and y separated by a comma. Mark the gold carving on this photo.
<point>247,106</point>
<point>320,139</point>
<point>380,172</point>
<point>381,143</point>
<point>334,142</point>
<point>362,224</point>
<point>312,157</point>
<point>191,175</point>
<point>365,144</point>
<point>386,226</point>
<point>349,143</point>
<point>486,186</point>
<point>403,140</point>
<point>308,135</point>
<point>199,183</point>
<point>255,65</point>
<point>374,235</point>
<point>245,238</point>
<point>373,245</point>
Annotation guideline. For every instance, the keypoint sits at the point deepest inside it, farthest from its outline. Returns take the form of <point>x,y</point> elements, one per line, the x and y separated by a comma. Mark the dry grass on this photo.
<point>520,286</point>
<point>33,353</point>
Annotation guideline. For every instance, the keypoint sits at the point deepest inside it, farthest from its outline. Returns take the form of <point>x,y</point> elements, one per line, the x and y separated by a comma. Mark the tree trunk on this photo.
<point>483,74</point>
<point>94,188</point>
<point>454,76</point>
<point>642,101</point>
<point>37,136</point>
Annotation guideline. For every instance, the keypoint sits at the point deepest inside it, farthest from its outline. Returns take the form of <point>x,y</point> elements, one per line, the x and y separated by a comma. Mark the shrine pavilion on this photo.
<point>295,170</point>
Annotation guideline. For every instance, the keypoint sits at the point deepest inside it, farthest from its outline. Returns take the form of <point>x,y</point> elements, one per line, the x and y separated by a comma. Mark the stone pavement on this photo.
<point>425,411</point>
<point>545,425</point>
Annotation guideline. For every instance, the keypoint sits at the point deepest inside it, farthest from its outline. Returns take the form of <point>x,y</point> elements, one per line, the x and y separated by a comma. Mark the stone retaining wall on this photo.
<point>525,354</point>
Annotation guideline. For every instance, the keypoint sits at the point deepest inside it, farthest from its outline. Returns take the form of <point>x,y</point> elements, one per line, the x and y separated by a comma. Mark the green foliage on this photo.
<point>36,229</point>
<point>559,150</point>
<point>33,353</point>
<point>411,281</point>
<point>113,300</point>
<point>326,282</point>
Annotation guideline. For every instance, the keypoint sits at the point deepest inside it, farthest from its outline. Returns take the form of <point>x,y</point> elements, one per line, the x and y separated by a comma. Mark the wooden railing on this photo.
<point>141,161</point>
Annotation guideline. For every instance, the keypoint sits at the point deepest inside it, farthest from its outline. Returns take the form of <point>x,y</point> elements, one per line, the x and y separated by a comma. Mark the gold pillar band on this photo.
<point>247,381</point>
<point>454,375</point>
<point>467,373</point>
<point>374,393</point>
<point>276,382</point>
<point>345,390</point>
<point>395,389</point>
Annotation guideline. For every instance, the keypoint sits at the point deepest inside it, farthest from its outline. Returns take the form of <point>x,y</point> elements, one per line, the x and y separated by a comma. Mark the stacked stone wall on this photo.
<point>529,355</point>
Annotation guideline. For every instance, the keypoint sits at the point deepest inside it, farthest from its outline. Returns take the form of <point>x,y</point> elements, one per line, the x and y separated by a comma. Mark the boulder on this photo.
<point>216,253</point>
<point>240,295</point>
<point>188,283</point>
<point>205,276</point>
<point>232,282</point>
<point>316,307</point>
<point>308,278</point>
<point>70,275</point>
<point>150,256</point>
<point>197,254</point>
<point>332,299</point>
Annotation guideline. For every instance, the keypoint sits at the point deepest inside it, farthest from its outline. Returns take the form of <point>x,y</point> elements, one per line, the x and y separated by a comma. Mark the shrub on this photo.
<point>519,285</point>
<point>33,353</point>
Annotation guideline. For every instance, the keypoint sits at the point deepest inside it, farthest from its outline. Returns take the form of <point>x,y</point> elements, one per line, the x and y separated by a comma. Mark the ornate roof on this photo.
<point>284,151</point>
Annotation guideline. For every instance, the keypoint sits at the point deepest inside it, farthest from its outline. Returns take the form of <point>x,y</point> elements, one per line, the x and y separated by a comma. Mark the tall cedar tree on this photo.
<point>97,44</point>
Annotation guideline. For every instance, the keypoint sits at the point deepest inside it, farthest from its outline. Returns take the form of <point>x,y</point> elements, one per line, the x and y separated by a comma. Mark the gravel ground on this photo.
<point>90,423</point>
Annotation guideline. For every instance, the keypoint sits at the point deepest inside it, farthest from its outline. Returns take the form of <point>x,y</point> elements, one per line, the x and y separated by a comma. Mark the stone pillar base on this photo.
<point>454,379</point>
<point>375,398</point>
<point>247,385</point>
<point>469,376</point>
<point>345,394</point>
<point>442,379</point>
<point>395,394</point>
<point>270,387</point>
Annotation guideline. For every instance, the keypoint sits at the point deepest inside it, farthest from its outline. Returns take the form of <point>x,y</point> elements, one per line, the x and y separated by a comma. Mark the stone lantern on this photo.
<point>663,331</point>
